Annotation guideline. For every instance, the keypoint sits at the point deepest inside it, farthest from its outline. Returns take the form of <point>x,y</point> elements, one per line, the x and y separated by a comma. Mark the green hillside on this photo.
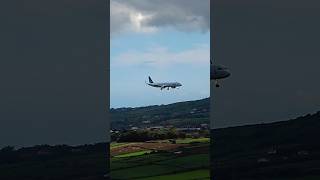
<point>177,114</point>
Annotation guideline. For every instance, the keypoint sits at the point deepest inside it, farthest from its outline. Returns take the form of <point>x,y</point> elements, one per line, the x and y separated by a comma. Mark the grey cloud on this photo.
<point>184,15</point>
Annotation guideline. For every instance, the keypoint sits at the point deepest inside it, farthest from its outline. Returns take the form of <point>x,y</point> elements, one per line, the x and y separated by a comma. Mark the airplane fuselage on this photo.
<point>163,85</point>
<point>218,72</point>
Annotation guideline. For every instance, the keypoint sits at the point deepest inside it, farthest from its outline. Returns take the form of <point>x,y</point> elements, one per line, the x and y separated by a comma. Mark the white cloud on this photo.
<point>145,16</point>
<point>160,57</point>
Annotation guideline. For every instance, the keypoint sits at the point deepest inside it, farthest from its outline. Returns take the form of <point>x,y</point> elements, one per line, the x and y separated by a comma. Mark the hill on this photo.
<point>277,150</point>
<point>189,113</point>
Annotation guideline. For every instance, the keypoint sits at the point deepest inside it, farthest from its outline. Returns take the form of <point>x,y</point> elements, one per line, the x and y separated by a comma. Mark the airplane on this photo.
<point>167,85</point>
<point>218,72</point>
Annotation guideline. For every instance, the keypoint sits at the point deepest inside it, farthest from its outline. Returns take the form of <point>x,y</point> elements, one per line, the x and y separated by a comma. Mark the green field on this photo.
<point>116,145</point>
<point>192,163</point>
<point>139,153</point>
<point>160,167</point>
<point>201,174</point>
<point>193,140</point>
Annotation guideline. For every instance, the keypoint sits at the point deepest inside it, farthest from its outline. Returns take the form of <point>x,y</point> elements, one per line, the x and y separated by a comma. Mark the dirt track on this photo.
<point>144,146</point>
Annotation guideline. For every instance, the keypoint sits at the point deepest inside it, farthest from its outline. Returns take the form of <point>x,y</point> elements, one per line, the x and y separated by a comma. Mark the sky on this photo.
<point>168,40</point>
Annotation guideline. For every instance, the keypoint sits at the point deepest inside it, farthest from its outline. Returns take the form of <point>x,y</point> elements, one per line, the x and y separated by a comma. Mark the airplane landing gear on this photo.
<point>217,84</point>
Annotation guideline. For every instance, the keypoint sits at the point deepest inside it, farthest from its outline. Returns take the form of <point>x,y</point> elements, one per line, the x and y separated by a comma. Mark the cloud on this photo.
<point>146,16</point>
<point>125,18</point>
<point>162,57</point>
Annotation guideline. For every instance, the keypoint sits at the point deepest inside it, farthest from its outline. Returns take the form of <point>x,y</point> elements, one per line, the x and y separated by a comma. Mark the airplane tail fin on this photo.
<point>150,80</point>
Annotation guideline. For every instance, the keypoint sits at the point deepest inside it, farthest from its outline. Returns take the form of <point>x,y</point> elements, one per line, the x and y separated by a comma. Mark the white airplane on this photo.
<point>218,72</point>
<point>163,85</point>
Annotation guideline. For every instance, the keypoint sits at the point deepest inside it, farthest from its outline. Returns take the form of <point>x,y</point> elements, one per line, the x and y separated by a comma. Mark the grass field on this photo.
<point>202,174</point>
<point>117,145</point>
<point>139,153</point>
<point>190,161</point>
<point>192,140</point>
